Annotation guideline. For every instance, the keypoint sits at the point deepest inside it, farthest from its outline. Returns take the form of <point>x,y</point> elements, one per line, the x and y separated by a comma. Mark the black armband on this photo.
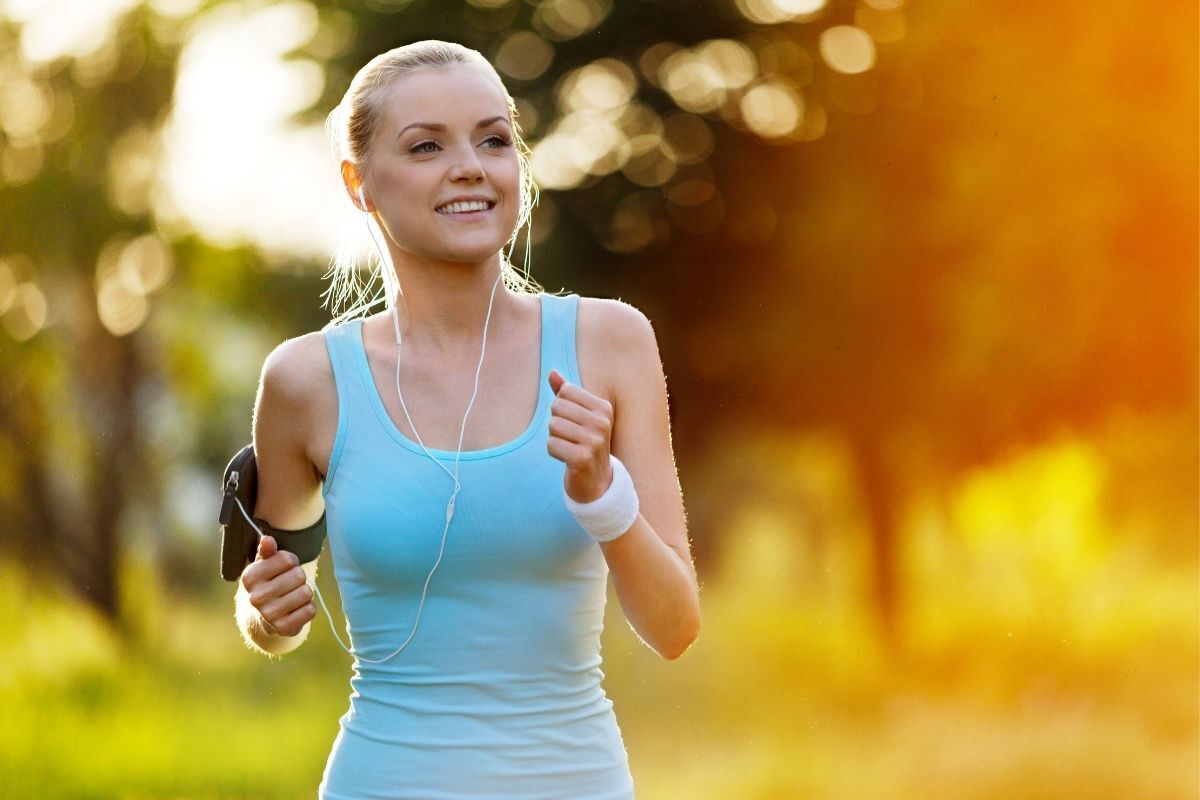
<point>239,539</point>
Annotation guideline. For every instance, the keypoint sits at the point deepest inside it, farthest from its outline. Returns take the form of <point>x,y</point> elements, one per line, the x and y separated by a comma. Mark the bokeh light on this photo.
<point>133,163</point>
<point>772,109</point>
<point>26,314</point>
<point>885,26</point>
<point>8,286</point>
<point>847,49</point>
<point>51,29</point>
<point>562,20</point>
<point>282,171</point>
<point>773,12</point>
<point>884,559</point>
<point>689,137</point>
<point>524,55</point>
<point>127,271</point>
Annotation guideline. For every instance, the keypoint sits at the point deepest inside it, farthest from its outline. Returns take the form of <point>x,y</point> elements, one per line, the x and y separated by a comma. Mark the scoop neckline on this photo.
<point>393,430</point>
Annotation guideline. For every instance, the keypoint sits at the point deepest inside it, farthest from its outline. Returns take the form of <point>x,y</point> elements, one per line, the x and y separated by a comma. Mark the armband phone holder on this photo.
<point>239,539</point>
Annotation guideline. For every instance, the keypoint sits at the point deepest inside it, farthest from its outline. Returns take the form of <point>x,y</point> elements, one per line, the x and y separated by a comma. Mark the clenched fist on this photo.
<point>581,427</point>
<point>278,588</point>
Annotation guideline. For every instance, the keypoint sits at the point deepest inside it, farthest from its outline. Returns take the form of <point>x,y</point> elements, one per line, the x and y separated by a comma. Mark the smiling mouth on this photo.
<point>465,207</point>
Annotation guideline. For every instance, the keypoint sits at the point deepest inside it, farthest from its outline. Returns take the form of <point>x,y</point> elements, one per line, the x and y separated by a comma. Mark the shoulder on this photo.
<point>297,372</point>
<point>614,326</point>
<point>615,342</point>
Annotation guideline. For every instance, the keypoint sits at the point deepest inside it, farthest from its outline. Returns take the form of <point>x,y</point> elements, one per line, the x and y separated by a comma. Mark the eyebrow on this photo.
<point>437,126</point>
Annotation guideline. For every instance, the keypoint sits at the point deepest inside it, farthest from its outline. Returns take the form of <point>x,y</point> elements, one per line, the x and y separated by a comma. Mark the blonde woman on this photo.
<point>485,457</point>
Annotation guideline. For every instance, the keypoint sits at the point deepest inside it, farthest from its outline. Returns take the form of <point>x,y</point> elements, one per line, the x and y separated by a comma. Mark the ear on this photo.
<point>353,183</point>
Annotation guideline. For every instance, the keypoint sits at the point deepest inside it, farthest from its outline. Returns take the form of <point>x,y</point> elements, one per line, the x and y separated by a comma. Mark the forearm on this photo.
<point>256,631</point>
<point>656,587</point>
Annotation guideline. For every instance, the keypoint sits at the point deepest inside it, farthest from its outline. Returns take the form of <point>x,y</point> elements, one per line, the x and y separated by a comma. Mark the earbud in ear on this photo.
<point>362,198</point>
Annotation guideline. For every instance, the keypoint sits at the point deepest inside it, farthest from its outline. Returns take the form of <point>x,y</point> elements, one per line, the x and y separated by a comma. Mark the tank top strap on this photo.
<point>558,336</point>
<point>339,341</point>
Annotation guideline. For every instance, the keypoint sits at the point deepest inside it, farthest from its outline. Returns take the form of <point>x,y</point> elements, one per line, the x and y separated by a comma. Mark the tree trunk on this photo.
<point>879,496</point>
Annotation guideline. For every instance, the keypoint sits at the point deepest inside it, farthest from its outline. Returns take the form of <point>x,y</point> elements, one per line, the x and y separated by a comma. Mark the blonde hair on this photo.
<point>351,128</point>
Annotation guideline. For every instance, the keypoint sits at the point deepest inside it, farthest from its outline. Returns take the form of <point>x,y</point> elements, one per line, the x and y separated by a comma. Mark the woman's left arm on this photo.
<point>624,412</point>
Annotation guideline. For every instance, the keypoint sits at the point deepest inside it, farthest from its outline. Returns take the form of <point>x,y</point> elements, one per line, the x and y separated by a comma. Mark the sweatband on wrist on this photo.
<point>612,513</point>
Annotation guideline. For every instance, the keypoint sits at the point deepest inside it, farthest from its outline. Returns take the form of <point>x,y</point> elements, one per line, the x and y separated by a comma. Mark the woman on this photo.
<point>485,456</point>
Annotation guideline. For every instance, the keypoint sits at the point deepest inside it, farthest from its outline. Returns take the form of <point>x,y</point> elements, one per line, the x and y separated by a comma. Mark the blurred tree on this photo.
<point>956,234</point>
<point>939,229</point>
<point>78,260</point>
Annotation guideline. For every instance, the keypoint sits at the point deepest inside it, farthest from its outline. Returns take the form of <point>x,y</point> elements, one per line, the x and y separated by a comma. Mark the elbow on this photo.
<point>682,638</point>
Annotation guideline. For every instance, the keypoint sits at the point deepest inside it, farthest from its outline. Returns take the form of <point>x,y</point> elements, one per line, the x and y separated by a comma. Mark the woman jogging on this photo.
<point>486,457</point>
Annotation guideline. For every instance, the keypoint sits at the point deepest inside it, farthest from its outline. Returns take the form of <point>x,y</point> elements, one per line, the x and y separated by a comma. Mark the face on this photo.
<point>443,173</point>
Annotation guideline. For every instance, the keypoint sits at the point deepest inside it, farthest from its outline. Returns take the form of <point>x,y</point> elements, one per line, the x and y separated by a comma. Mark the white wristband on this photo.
<point>612,513</point>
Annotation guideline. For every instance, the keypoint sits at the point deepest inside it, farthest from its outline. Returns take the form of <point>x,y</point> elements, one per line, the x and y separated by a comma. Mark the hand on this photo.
<point>580,434</point>
<point>278,589</point>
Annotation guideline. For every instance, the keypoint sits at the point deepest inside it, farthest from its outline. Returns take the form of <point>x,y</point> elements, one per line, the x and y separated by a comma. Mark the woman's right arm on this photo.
<point>294,414</point>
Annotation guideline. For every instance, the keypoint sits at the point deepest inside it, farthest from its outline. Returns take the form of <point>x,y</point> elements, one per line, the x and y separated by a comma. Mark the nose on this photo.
<point>467,166</point>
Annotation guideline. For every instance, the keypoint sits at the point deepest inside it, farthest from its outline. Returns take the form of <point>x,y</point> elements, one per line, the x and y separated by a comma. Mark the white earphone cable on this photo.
<point>393,292</point>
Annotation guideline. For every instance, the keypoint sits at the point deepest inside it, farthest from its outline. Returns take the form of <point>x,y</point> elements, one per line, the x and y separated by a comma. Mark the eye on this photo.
<point>496,141</point>
<point>427,146</point>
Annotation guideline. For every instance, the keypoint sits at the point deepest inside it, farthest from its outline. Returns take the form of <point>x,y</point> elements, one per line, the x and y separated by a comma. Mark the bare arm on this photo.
<point>625,412</point>
<point>274,605</point>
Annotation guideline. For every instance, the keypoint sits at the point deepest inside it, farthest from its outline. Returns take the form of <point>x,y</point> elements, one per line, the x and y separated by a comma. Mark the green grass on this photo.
<point>788,694</point>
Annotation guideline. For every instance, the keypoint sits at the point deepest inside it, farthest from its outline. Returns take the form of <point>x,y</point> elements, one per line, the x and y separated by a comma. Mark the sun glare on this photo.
<point>237,169</point>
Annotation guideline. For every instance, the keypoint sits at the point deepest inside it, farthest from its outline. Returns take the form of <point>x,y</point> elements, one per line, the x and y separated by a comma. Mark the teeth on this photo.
<point>463,206</point>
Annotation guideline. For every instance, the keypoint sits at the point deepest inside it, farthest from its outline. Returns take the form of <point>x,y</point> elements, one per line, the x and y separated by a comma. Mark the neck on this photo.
<point>442,306</point>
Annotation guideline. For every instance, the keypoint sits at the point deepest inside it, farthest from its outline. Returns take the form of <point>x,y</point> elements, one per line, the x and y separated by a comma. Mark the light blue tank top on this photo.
<point>499,693</point>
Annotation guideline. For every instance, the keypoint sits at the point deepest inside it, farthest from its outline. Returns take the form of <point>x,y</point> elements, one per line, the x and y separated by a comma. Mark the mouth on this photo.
<point>465,208</point>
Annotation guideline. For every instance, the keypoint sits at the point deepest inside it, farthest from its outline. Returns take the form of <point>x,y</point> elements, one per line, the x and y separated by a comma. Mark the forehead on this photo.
<point>461,94</point>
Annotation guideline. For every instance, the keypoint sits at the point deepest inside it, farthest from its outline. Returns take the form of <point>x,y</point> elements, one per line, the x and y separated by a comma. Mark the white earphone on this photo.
<point>392,290</point>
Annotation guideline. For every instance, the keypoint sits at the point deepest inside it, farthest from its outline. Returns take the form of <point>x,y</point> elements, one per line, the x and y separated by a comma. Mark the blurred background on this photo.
<point>924,278</point>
